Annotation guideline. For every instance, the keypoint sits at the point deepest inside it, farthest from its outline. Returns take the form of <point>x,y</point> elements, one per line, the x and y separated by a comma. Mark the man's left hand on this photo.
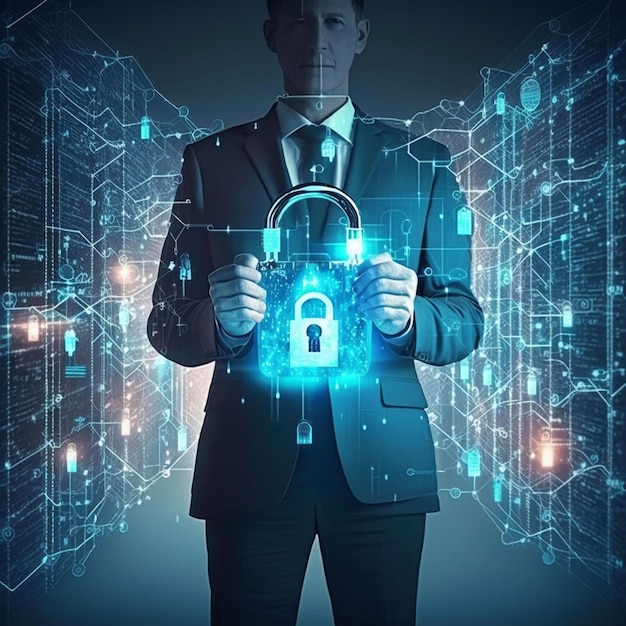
<point>386,293</point>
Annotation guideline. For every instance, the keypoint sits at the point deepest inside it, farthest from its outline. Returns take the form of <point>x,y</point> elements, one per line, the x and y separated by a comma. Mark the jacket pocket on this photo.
<point>402,392</point>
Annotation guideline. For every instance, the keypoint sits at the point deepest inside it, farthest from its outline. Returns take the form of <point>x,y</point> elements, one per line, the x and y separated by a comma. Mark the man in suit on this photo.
<point>364,484</point>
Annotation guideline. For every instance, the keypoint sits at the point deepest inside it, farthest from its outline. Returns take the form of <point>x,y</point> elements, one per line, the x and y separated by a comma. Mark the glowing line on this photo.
<point>19,19</point>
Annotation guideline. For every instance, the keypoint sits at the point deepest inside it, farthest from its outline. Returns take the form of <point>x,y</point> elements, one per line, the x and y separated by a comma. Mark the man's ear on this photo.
<point>363,30</point>
<point>268,33</point>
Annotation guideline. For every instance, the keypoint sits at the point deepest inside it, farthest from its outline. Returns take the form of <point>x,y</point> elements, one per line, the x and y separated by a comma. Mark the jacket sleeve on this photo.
<point>181,324</point>
<point>448,322</point>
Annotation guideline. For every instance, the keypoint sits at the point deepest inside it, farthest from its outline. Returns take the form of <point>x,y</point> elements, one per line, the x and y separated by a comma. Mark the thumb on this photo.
<point>246,259</point>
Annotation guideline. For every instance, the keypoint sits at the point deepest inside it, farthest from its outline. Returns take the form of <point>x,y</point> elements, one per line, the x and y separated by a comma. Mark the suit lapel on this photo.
<point>368,142</point>
<point>265,152</point>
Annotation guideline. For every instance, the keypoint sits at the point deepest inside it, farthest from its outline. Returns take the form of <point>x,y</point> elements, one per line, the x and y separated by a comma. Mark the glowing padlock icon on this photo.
<point>312,326</point>
<point>313,341</point>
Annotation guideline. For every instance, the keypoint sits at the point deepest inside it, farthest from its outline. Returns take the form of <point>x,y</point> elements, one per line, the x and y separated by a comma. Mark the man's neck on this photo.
<point>309,106</point>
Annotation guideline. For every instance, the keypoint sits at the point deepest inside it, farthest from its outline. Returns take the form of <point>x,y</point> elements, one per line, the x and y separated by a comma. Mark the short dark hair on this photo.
<point>274,5</point>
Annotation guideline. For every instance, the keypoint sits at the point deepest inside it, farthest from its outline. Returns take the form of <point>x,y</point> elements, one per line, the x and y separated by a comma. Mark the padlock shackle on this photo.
<point>313,190</point>
<point>313,295</point>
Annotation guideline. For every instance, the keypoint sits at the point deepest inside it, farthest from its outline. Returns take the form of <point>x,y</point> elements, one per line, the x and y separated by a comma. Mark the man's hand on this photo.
<point>386,293</point>
<point>238,300</point>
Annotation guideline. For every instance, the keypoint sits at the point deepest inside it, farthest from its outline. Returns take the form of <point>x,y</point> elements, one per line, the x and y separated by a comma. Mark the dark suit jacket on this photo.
<point>409,201</point>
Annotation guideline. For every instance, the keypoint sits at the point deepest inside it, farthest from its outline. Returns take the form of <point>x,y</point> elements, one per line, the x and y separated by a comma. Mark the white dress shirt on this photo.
<point>341,122</point>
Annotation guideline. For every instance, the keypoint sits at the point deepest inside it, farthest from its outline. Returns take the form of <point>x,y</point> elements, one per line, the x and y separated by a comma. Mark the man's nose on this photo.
<point>317,36</point>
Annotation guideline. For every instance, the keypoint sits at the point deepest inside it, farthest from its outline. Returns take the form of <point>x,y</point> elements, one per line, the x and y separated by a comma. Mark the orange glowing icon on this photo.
<point>33,328</point>
<point>547,455</point>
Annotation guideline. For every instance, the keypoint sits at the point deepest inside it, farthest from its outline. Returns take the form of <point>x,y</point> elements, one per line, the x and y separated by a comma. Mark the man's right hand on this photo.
<point>238,300</point>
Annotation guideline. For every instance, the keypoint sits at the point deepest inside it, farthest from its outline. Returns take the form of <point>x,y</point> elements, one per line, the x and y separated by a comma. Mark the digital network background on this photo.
<point>532,425</point>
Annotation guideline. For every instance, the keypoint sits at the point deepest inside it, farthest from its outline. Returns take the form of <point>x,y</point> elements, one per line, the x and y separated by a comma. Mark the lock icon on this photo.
<point>354,232</point>
<point>313,341</point>
<point>312,325</point>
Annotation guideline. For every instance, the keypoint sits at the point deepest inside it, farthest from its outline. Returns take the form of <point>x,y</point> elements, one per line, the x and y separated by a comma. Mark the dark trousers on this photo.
<point>371,552</point>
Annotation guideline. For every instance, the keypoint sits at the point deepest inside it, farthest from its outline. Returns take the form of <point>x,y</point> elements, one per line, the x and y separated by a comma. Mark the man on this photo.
<point>367,479</point>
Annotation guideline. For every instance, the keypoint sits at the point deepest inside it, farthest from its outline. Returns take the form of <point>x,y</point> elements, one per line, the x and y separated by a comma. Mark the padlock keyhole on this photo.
<point>314,332</point>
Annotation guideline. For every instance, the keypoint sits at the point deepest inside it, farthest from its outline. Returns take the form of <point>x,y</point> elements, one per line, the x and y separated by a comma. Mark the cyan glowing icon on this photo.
<point>488,375</point>
<point>185,267</point>
<point>568,316</point>
<point>328,147</point>
<point>70,340</point>
<point>182,439</point>
<point>497,490</point>
<point>145,127</point>
<point>464,221</point>
<point>500,103</point>
<point>473,463</point>
<point>71,458</point>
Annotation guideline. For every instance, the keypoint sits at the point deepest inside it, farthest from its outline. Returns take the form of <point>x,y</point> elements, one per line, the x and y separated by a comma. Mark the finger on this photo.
<point>237,316</point>
<point>246,259</point>
<point>392,272</point>
<point>389,269</point>
<point>391,286</point>
<point>383,316</point>
<point>232,272</point>
<point>239,303</point>
<point>235,287</point>
<point>391,304</point>
<point>375,260</point>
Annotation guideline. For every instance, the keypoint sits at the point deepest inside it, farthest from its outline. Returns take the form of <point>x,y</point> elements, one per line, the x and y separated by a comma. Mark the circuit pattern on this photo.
<point>92,416</point>
<point>531,426</point>
<point>533,422</point>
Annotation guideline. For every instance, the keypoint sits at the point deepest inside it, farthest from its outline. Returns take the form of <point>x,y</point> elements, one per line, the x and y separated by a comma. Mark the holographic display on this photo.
<point>312,325</point>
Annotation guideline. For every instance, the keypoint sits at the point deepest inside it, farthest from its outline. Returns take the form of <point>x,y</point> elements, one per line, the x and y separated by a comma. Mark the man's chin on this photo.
<point>316,69</point>
<point>314,92</point>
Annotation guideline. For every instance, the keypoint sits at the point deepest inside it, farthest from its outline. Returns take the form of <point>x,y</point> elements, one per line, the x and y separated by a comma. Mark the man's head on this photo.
<point>274,5</point>
<point>316,41</point>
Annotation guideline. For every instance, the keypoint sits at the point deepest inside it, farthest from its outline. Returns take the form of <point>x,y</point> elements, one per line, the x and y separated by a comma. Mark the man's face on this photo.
<point>316,41</point>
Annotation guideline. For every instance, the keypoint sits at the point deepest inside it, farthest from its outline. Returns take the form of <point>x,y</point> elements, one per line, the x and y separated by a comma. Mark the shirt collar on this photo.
<point>289,120</point>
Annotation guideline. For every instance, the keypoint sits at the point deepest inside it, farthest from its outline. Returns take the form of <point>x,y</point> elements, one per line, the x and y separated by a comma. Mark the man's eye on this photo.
<point>335,21</point>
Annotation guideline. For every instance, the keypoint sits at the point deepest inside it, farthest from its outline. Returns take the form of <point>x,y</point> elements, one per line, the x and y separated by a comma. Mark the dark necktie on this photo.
<point>317,164</point>
<point>318,161</point>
